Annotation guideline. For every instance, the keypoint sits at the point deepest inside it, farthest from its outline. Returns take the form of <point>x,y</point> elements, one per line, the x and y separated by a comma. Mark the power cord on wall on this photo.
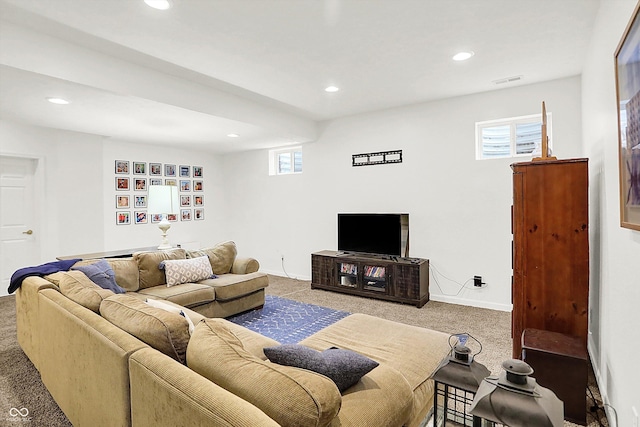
<point>596,407</point>
<point>462,286</point>
<point>283,269</point>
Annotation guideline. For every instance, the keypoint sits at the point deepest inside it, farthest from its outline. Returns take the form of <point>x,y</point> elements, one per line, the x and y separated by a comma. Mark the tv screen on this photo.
<point>381,234</point>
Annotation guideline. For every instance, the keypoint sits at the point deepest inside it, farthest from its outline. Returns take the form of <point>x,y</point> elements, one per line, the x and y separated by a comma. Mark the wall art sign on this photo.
<point>379,158</point>
<point>627,61</point>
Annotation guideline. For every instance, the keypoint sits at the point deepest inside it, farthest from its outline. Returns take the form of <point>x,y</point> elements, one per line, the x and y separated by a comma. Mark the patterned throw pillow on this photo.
<point>186,270</point>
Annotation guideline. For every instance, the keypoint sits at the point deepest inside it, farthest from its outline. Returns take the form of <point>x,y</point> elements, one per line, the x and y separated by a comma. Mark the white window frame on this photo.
<point>512,122</point>
<point>274,156</point>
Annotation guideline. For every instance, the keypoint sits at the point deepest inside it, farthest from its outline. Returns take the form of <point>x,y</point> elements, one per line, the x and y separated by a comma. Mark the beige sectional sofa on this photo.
<point>129,364</point>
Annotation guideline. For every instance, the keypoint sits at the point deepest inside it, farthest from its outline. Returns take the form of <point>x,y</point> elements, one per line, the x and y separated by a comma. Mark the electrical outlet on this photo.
<point>477,281</point>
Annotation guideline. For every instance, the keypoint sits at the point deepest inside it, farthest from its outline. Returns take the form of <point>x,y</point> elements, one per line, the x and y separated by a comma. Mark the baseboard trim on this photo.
<point>591,349</point>
<point>470,302</point>
<point>440,298</point>
<point>279,273</point>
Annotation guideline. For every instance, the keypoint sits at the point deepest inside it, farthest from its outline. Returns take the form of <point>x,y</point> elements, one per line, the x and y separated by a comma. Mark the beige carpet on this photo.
<point>20,385</point>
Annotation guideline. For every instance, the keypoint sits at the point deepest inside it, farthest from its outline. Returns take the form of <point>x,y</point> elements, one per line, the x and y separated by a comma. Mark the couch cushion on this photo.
<point>190,270</point>
<point>221,256</point>
<point>185,294</point>
<point>101,273</point>
<point>344,367</point>
<point>231,286</point>
<point>165,331</point>
<point>149,262</point>
<point>125,269</point>
<point>76,286</point>
<point>291,396</point>
<point>172,308</point>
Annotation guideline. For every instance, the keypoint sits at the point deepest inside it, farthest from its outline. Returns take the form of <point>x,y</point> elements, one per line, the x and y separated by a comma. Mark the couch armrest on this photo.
<point>27,312</point>
<point>166,393</point>
<point>245,266</point>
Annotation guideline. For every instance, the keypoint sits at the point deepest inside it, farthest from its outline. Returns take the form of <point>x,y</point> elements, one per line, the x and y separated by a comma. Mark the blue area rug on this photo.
<point>287,321</point>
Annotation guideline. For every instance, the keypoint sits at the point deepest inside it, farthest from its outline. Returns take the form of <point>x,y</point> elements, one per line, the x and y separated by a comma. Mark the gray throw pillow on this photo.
<point>344,367</point>
<point>101,274</point>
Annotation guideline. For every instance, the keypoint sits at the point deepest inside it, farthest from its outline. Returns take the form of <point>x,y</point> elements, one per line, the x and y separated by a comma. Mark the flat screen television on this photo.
<point>374,233</point>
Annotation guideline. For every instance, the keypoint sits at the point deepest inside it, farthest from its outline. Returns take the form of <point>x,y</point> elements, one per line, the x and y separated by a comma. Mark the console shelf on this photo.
<point>404,280</point>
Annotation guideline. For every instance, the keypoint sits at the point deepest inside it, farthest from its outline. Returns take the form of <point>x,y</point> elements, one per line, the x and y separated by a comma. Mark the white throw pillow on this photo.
<point>190,270</point>
<point>172,309</point>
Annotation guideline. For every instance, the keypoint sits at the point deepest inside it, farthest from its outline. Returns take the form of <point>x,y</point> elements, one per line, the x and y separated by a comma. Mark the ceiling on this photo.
<point>204,69</point>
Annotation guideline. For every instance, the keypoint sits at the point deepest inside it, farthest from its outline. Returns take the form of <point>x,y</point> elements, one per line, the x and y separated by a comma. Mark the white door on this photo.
<point>19,238</point>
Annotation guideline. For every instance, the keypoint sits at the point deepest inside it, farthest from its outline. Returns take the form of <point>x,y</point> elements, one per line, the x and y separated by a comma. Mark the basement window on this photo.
<point>511,137</point>
<point>285,161</point>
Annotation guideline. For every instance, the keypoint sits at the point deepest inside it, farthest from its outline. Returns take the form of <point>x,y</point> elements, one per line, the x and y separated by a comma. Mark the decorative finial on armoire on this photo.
<point>545,138</point>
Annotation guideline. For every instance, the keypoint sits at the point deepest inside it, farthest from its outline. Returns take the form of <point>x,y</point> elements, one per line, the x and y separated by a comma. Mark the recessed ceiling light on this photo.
<point>158,4</point>
<point>331,89</point>
<point>58,101</point>
<point>463,56</point>
<point>233,135</point>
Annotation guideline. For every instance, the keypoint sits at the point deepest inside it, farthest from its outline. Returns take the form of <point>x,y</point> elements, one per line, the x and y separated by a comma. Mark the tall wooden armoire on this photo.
<point>550,225</point>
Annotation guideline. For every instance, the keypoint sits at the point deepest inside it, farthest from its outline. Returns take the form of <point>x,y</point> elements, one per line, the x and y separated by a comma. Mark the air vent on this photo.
<point>507,80</point>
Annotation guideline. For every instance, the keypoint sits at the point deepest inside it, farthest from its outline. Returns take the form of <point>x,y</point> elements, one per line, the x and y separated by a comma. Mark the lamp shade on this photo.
<point>515,399</point>
<point>163,199</point>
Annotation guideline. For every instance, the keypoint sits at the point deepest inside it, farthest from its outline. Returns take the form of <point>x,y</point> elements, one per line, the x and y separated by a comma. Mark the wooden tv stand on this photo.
<point>404,280</point>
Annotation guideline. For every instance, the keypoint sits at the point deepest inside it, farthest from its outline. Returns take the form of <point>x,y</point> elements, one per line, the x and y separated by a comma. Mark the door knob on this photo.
<point>28,232</point>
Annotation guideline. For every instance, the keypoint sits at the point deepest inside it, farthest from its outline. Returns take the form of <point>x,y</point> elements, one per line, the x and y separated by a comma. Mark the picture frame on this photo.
<point>140,184</point>
<point>155,181</point>
<point>140,201</point>
<point>198,214</point>
<point>198,185</point>
<point>156,218</point>
<point>169,170</point>
<point>172,217</point>
<point>140,217</point>
<point>185,200</point>
<point>627,69</point>
<point>139,168</point>
<point>185,214</point>
<point>122,202</point>
<point>122,167</point>
<point>122,184</point>
<point>155,169</point>
<point>197,171</point>
<point>185,185</point>
<point>185,171</point>
<point>123,218</point>
<point>170,182</point>
<point>198,200</point>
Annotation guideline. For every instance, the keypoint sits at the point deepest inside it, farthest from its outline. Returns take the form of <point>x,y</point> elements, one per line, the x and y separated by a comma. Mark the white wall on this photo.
<point>615,252</point>
<point>71,207</point>
<point>78,206</point>
<point>459,207</point>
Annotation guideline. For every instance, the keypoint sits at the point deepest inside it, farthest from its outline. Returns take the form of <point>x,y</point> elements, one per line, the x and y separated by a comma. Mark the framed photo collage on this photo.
<point>132,181</point>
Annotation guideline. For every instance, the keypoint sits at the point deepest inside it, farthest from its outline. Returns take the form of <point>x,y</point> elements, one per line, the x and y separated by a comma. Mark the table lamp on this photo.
<point>164,200</point>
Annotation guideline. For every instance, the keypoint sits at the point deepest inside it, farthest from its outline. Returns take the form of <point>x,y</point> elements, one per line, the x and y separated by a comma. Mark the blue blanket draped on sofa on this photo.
<point>39,270</point>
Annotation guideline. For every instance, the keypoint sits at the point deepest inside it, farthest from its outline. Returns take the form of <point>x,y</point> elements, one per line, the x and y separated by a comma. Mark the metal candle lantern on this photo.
<point>515,399</point>
<point>457,379</point>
